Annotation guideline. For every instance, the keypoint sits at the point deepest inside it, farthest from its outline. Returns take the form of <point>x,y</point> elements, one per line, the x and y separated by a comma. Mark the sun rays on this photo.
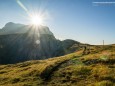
<point>36,19</point>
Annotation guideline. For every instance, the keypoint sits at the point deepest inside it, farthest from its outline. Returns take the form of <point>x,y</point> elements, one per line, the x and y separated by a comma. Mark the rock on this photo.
<point>20,43</point>
<point>70,45</point>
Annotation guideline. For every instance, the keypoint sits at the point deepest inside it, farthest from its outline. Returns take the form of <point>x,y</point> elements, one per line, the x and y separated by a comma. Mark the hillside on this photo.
<point>95,68</point>
<point>19,43</point>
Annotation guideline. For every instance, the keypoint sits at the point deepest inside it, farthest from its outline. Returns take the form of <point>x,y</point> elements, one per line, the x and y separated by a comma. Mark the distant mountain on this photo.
<point>70,45</point>
<point>12,28</point>
<point>20,43</point>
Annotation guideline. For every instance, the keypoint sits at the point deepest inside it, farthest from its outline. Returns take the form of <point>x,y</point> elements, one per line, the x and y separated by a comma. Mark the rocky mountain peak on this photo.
<point>25,42</point>
<point>13,28</point>
<point>9,24</point>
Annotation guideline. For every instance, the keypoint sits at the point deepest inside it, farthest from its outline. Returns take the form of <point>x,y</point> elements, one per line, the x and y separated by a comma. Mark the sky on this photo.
<point>86,21</point>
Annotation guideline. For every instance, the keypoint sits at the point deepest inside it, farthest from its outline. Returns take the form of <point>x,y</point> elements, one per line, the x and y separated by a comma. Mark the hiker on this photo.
<point>84,50</point>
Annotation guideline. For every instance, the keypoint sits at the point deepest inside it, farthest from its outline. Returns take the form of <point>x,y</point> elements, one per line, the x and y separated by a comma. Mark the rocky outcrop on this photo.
<point>20,42</point>
<point>70,46</point>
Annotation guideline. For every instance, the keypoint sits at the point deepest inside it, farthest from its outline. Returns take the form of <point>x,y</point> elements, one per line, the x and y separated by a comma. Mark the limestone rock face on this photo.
<point>20,43</point>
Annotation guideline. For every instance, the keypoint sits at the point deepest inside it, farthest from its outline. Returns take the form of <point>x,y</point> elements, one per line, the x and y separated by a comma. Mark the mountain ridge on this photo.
<point>22,42</point>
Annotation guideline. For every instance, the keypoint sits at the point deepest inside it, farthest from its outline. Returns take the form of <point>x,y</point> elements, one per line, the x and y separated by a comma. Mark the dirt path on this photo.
<point>49,70</point>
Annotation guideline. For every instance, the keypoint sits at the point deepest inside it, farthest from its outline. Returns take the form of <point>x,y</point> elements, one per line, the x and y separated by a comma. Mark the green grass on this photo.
<point>75,69</point>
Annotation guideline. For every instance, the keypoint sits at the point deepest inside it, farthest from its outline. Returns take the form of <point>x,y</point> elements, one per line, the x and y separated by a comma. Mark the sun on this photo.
<point>36,20</point>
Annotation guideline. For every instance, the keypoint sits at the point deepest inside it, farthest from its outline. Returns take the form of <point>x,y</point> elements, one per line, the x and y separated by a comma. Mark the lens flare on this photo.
<point>35,17</point>
<point>21,5</point>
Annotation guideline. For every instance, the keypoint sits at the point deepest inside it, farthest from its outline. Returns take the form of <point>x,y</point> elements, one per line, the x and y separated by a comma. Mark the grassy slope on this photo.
<point>94,69</point>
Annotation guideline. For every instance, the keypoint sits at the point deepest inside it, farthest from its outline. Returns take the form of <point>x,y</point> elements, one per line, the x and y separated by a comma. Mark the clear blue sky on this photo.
<point>69,19</point>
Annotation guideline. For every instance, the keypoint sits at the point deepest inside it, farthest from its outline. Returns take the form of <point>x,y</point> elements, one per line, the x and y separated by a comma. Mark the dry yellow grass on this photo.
<point>94,69</point>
